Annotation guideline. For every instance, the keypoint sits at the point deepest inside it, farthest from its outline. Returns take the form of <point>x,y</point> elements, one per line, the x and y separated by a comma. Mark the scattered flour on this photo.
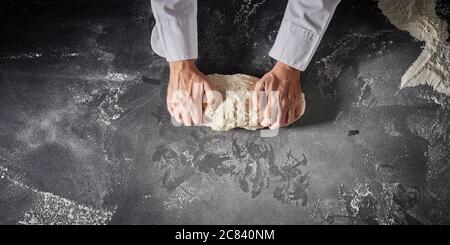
<point>419,18</point>
<point>24,56</point>
<point>248,8</point>
<point>50,209</point>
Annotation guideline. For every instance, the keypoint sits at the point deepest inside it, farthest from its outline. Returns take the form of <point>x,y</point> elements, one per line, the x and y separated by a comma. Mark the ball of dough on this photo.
<point>234,110</point>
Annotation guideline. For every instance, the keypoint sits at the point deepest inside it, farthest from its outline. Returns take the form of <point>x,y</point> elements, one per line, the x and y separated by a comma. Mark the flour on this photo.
<point>419,18</point>
<point>234,111</point>
<point>50,209</point>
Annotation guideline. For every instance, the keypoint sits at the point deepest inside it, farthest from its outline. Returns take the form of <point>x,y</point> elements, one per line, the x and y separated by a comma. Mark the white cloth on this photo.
<point>304,23</point>
<point>175,33</point>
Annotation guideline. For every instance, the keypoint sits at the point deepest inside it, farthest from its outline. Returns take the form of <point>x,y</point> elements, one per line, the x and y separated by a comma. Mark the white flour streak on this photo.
<point>50,209</point>
<point>25,56</point>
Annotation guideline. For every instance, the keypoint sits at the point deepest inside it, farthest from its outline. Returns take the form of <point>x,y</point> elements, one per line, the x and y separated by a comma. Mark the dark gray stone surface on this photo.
<point>85,136</point>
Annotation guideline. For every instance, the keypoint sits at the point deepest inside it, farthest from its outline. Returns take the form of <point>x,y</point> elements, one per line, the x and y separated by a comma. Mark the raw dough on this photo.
<point>234,111</point>
<point>419,18</point>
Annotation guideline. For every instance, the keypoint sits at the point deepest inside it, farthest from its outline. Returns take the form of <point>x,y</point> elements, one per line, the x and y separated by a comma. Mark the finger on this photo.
<point>182,115</point>
<point>292,116</point>
<point>257,93</point>
<point>169,103</point>
<point>299,111</point>
<point>265,122</point>
<point>262,105</point>
<point>274,120</point>
<point>196,110</point>
<point>269,99</point>
<point>279,114</point>
<point>295,101</point>
<point>186,117</point>
<point>275,125</point>
<point>272,109</point>
<point>179,98</point>
<point>177,115</point>
<point>283,116</point>
<point>170,107</point>
<point>211,95</point>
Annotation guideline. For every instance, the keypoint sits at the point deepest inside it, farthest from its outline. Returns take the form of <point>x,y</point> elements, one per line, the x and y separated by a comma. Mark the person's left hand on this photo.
<point>278,109</point>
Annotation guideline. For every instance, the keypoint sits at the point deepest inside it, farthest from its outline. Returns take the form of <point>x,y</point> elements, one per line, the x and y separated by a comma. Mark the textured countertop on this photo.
<point>85,137</point>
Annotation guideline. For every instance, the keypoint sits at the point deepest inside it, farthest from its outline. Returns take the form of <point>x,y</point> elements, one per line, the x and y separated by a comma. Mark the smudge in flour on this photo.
<point>295,181</point>
<point>390,129</point>
<point>362,204</point>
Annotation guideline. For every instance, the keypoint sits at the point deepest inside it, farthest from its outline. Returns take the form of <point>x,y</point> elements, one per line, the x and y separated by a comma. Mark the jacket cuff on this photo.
<point>175,39</point>
<point>294,45</point>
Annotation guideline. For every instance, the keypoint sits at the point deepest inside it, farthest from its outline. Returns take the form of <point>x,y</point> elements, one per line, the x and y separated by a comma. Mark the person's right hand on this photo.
<point>187,91</point>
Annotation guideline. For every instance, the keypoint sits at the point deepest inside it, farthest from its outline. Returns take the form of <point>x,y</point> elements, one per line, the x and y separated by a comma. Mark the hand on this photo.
<point>278,109</point>
<point>186,93</point>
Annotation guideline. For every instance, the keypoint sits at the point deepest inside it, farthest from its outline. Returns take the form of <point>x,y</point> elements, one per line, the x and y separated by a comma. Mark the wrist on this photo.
<point>286,68</point>
<point>285,72</point>
<point>182,65</point>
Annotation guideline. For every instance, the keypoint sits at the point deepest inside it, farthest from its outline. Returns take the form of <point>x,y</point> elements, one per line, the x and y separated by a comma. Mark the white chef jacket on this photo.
<point>304,23</point>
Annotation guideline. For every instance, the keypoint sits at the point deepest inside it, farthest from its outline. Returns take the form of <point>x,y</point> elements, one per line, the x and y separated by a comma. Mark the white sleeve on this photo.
<point>175,33</point>
<point>301,30</point>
